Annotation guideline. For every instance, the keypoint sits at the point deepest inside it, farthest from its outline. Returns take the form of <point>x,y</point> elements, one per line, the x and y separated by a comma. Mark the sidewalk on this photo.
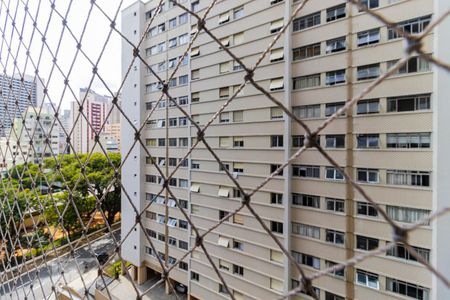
<point>123,289</point>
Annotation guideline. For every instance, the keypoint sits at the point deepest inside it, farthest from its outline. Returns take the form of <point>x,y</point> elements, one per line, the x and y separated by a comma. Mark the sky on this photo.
<point>63,46</point>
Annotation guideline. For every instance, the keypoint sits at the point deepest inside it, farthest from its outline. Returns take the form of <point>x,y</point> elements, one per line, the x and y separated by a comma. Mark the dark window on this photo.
<point>306,21</point>
<point>276,198</point>
<point>366,209</point>
<point>366,243</point>
<point>276,227</point>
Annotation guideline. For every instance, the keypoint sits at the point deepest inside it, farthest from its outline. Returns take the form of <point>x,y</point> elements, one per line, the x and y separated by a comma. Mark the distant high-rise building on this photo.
<point>42,131</point>
<point>16,94</point>
<point>389,142</point>
<point>84,127</point>
<point>66,123</point>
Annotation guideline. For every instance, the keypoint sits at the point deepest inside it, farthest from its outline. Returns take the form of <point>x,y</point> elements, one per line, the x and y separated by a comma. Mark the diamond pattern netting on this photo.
<point>17,199</point>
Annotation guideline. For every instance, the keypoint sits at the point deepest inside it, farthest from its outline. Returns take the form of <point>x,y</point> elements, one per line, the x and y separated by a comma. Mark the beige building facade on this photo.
<point>331,53</point>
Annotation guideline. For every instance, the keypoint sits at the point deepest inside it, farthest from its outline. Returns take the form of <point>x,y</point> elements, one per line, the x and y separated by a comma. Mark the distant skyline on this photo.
<point>96,33</point>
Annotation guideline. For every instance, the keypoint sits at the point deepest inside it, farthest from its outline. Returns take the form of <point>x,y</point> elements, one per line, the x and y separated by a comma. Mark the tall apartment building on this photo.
<point>84,128</point>
<point>16,94</point>
<point>43,131</point>
<point>388,142</point>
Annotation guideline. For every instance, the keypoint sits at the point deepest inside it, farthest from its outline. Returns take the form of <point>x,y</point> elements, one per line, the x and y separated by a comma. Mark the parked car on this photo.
<point>102,258</point>
<point>181,288</point>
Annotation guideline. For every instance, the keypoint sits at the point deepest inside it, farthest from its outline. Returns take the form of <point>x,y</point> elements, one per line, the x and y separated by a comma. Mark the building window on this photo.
<point>183,142</point>
<point>183,18</point>
<point>195,51</point>
<point>276,113</point>
<point>366,243</point>
<point>224,117</point>
<point>413,26</point>
<point>276,284</point>
<point>276,26</point>
<point>368,37</point>
<point>307,111</point>
<point>366,209</point>
<point>183,265</point>
<point>368,175</point>
<point>150,178</point>
<point>306,230</point>
<point>331,108</point>
<point>183,80</point>
<point>331,296</point>
<point>336,205</point>
<point>306,200</point>
<point>277,55</point>
<point>238,219</point>
<point>368,141</point>
<point>306,51</point>
<point>335,45</point>
<point>335,77</point>
<point>183,203</point>
<point>172,43</point>
<point>335,141</point>
<point>412,178</point>
<point>238,270</point>
<point>238,12</point>
<point>224,92</point>
<point>276,198</point>
<point>238,142</point>
<point>335,13</point>
<point>401,252</point>
<point>298,141</point>
<point>370,3</point>
<point>238,168</point>
<point>335,237</point>
<point>224,18</point>
<point>238,116</point>
<point>368,107</point>
<point>306,171</point>
<point>408,103</point>
<point>274,167</point>
<point>407,289</point>
<point>194,7</point>
<point>150,142</point>
<point>413,65</point>
<point>238,38</point>
<point>368,279</point>
<point>238,245</point>
<point>224,265</point>
<point>195,74</point>
<point>306,259</point>
<point>183,224</point>
<point>407,214</point>
<point>276,227</point>
<point>276,84</point>
<point>224,142</point>
<point>333,174</point>
<point>368,72</point>
<point>339,273</point>
<point>307,81</point>
<point>276,141</point>
<point>150,215</point>
<point>223,215</point>
<point>408,140</point>
<point>195,276</point>
<point>306,21</point>
<point>276,256</point>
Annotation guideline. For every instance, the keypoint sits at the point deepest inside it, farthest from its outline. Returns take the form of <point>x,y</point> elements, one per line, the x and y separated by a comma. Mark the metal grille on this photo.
<point>21,187</point>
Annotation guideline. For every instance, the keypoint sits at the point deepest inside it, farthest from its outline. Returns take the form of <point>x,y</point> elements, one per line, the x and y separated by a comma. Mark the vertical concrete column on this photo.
<point>441,161</point>
<point>141,274</point>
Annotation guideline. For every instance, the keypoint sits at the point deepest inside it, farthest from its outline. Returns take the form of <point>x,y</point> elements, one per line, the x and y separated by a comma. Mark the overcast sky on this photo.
<point>95,36</point>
